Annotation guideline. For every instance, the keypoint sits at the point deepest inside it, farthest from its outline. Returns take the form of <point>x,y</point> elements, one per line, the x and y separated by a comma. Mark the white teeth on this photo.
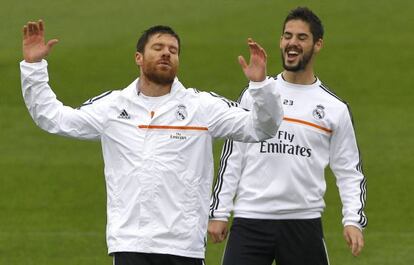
<point>293,53</point>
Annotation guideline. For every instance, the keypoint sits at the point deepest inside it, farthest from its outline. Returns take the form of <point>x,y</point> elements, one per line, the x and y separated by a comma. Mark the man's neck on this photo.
<point>300,77</point>
<point>151,89</point>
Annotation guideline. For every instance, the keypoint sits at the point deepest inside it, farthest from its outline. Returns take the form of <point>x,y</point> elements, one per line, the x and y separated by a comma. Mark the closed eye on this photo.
<point>173,50</point>
<point>287,35</point>
<point>157,47</point>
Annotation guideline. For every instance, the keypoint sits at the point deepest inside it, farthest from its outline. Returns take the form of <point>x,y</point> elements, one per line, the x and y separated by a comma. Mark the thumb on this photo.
<point>52,43</point>
<point>242,62</point>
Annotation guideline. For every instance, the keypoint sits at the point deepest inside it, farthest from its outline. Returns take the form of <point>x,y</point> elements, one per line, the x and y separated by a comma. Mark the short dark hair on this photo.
<point>142,41</point>
<point>306,15</point>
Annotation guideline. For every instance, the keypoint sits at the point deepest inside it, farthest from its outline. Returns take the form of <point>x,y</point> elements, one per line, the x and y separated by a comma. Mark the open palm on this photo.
<point>34,47</point>
<point>256,69</point>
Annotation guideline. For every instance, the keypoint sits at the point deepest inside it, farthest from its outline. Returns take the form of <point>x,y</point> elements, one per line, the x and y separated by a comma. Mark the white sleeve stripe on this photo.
<point>225,154</point>
<point>363,221</point>
<point>242,94</point>
<point>230,103</point>
<point>92,100</point>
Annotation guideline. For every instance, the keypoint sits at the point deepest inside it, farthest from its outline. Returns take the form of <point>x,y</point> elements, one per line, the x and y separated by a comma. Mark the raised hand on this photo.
<point>34,47</point>
<point>256,69</point>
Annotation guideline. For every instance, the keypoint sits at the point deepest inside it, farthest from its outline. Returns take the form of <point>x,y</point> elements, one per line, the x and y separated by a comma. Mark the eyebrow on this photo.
<point>300,35</point>
<point>163,44</point>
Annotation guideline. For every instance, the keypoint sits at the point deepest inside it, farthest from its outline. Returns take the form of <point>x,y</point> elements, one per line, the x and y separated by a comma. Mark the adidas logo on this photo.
<point>124,115</point>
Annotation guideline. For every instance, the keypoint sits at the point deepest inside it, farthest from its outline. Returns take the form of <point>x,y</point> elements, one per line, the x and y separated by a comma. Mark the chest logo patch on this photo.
<point>181,112</point>
<point>319,112</point>
<point>124,115</point>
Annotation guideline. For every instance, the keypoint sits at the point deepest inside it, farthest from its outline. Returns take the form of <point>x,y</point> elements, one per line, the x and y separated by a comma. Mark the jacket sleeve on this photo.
<point>50,114</point>
<point>229,174</point>
<point>227,181</point>
<point>346,165</point>
<point>226,120</point>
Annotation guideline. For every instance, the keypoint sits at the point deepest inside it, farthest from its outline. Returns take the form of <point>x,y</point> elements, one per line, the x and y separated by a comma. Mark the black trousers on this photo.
<point>288,242</point>
<point>135,258</point>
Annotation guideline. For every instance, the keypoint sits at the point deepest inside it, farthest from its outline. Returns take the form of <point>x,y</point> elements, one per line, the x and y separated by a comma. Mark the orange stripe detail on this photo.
<point>166,127</point>
<point>308,123</point>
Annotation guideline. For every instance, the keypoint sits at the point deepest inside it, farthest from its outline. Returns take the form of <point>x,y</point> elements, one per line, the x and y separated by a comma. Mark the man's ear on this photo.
<point>318,45</point>
<point>138,58</point>
<point>280,42</point>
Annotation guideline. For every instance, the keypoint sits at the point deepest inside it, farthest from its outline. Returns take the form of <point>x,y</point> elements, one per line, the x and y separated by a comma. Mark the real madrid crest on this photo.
<point>181,112</point>
<point>319,112</point>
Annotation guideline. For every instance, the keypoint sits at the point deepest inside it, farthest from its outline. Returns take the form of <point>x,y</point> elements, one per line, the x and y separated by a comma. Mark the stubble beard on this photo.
<point>301,65</point>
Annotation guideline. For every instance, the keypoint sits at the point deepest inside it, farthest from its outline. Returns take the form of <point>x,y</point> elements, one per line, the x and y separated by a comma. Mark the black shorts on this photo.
<point>135,258</point>
<point>288,242</point>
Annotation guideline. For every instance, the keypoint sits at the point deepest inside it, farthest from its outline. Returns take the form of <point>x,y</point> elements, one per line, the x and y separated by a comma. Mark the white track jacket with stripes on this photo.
<point>158,162</point>
<point>283,178</point>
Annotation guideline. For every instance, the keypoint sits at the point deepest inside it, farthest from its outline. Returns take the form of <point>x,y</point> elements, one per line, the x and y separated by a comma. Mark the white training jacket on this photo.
<point>158,162</point>
<point>283,178</point>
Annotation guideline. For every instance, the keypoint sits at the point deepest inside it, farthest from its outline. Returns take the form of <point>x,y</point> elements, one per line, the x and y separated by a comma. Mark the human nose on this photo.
<point>294,41</point>
<point>166,52</point>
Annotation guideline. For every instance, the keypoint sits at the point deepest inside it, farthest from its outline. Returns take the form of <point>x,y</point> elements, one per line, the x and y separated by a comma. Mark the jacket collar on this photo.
<point>175,88</point>
<point>131,91</point>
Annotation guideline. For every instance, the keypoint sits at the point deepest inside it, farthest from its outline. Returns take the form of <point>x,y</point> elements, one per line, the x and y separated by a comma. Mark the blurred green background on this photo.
<point>52,192</point>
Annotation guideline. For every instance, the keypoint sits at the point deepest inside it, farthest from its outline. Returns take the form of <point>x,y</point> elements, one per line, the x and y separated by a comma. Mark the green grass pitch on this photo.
<point>52,193</point>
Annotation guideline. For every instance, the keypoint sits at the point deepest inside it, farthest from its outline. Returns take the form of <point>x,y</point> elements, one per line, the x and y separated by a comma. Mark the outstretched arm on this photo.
<point>48,112</point>
<point>34,47</point>
<point>256,69</point>
<point>266,114</point>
